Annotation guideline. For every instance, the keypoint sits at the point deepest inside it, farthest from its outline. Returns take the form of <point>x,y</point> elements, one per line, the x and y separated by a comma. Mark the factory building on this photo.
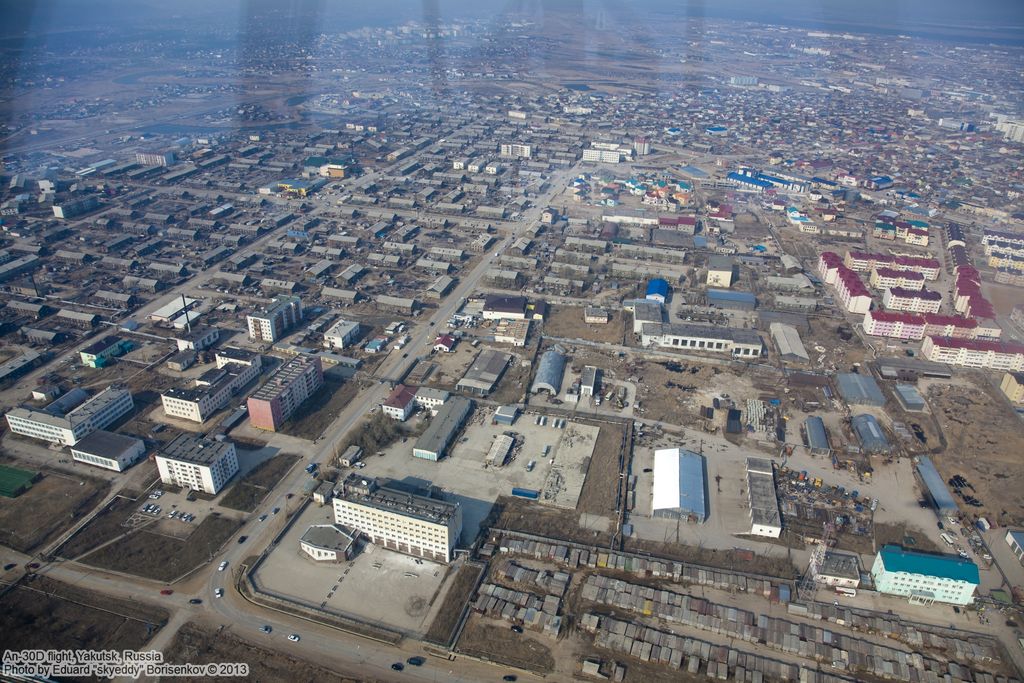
<point>925,578</point>
<point>721,272</point>
<point>484,373</point>
<point>399,519</point>
<point>740,343</point>
<point>433,444</point>
<point>934,488</point>
<point>765,518</point>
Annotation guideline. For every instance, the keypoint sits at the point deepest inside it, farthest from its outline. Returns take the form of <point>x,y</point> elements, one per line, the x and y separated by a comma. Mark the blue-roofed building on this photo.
<point>657,290</point>
<point>935,488</point>
<point>680,485</point>
<point>749,183</point>
<point>817,437</point>
<point>925,578</point>
<point>859,390</point>
<point>738,301</point>
<point>869,433</point>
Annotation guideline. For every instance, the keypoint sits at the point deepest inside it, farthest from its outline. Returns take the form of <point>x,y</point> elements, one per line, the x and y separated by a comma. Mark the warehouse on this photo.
<point>817,437</point>
<point>910,398</point>
<point>791,348</point>
<point>859,390</point>
<point>550,372</point>
<point>657,290</point>
<point>439,435</point>
<point>925,578</point>
<point>680,485</point>
<point>482,376</point>
<point>737,342</point>
<point>765,519</point>
<point>736,301</point>
<point>934,488</point>
<point>870,435</point>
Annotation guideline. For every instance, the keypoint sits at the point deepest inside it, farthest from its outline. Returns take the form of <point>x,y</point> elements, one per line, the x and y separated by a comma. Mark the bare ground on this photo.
<point>50,507</point>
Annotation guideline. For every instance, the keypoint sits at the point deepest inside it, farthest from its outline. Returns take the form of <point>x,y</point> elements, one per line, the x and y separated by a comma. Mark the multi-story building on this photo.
<point>400,403</point>
<point>108,450</point>
<point>865,262</point>
<point>721,272</point>
<point>741,343</point>
<point>99,353</point>
<point>213,389</point>
<point>516,150</point>
<point>974,353</point>
<point>287,388</point>
<point>270,324</point>
<point>431,399</point>
<point>1013,386</point>
<point>398,519</point>
<point>915,301</point>
<point>828,267</point>
<point>341,334</point>
<point>68,429</point>
<point>887,278</point>
<point>925,578</point>
<point>197,463</point>
<point>851,292</point>
<point>894,325</point>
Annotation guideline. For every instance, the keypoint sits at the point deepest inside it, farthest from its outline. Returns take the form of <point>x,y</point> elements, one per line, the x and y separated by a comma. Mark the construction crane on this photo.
<point>809,582</point>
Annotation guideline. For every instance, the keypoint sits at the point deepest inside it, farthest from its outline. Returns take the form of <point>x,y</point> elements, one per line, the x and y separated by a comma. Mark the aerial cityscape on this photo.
<point>551,340</point>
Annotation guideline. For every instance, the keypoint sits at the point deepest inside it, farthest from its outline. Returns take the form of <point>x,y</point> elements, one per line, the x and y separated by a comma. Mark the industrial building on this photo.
<point>67,429</point>
<point>721,272</point>
<point>99,353</point>
<point>817,436</point>
<point>482,376</point>
<point>765,518</point>
<point>680,485</point>
<point>934,488</point>
<point>289,386</point>
<point>657,290</point>
<point>1015,539</point>
<point>838,570</point>
<point>909,398</point>
<point>270,324</point>
<point>727,299</point>
<point>791,348</point>
<point>197,463</point>
<point>869,433</point>
<point>434,442</point>
<point>859,390</point>
<point>399,519</point>
<point>925,578</point>
<point>108,450</point>
<point>550,371</point>
<point>740,343</point>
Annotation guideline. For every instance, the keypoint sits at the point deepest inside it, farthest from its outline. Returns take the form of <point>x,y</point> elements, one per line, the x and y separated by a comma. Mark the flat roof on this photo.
<point>445,424</point>
<point>858,389</point>
<point>328,537</point>
<point>106,444</point>
<point>840,564</point>
<point>196,450</point>
<point>896,559</point>
<point>936,487</point>
<point>764,502</point>
<point>385,497</point>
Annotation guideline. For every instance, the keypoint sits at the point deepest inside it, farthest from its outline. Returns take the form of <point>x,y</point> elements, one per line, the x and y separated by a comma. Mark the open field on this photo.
<point>500,644</point>
<point>518,514</point>
<point>984,444</point>
<point>51,506</point>
<point>567,321</point>
<point>315,414</point>
<point>600,487</point>
<point>246,493</point>
<point>459,593</point>
<point>163,558</point>
<point>43,613</point>
<point>197,644</point>
<point>105,525</point>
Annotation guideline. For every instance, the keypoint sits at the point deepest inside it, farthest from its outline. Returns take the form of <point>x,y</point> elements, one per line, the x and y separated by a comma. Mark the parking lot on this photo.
<point>380,586</point>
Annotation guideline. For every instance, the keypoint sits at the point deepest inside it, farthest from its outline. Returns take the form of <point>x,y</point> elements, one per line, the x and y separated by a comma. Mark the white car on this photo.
<point>294,637</point>
<point>218,593</point>
<point>223,566</point>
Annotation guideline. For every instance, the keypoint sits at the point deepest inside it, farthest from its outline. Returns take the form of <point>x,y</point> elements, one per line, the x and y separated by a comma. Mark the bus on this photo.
<point>848,592</point>
<point>947,538</point>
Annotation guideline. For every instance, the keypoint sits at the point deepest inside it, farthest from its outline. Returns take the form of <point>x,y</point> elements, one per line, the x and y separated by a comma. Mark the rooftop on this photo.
<point>679,481</point>
<point>896,559</point>
<point>384,495</point>
<point>105,444</point>
<point>328,537</point>
<point>196,450</point>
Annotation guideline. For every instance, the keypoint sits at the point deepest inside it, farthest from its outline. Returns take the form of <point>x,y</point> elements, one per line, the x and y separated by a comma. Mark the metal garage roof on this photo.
<point>679,482</point>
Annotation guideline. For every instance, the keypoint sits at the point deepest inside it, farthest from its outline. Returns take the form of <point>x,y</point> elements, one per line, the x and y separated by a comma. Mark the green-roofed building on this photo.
<point>14,482</point>
<point>925,578</point>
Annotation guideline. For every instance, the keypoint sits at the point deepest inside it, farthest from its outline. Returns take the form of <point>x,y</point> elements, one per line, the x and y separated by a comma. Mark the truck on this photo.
<point>947,538</point>
<point>848,592</point>
<point>530,465</point>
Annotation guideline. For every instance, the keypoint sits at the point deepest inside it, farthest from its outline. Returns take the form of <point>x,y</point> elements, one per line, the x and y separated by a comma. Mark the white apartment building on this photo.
<point>974,353</point>
<point>67,430</point>
<point>197,463</point>
<point>271,324</point>
<point>604,156</point>
<point>341,335</point>
<point>392,518</point>
<point>431,399</point>
<point>914,301</point>
<point>213,389</point>
<point>516,150</point>
<point>888,278</point>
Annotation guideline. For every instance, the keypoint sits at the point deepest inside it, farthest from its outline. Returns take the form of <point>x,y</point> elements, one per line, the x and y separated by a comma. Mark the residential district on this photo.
<point>470,371</point>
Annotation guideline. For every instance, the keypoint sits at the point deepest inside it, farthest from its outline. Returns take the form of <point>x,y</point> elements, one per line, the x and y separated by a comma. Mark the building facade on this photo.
<point>974,353</point>
<point>197,463</point>
<point>108,450</point>
<point>286,390</point>
<point>925,578</point>
<point>67,430</point>
<point>270,324</point>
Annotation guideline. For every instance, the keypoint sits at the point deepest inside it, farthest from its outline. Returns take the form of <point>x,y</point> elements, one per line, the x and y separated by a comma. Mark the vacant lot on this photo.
<point>501,644</point>
<point>105,525</point>
<point>316,413</point>
<point>458,595</point>
<point>598,496</point>
<point>908,536</point>
<point>518,514</point>
<point>984,444</point>
<point>50,507</point>
<point>512,386</point>
<point>246,493</point>
<point>567,322</point>
<point>163,558</point>
<point>37,615</point>
<point>200,645</point>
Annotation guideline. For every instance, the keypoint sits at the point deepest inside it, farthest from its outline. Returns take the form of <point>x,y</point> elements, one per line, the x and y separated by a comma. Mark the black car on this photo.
<point>9,566</point>
<point>940,525</point>
<point>195,601</point>
<point>415,661</point>
<point>243,539</point>
<point>517,629</point>
<point>509,678</point>
<point>398,666</point>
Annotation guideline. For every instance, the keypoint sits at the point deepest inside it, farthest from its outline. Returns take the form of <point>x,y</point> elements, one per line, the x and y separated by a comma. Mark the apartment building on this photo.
<point>883,277</point>
<point>270,324</point>
<point>1013,386</point>
<point>974,353</point>
<point>925,578</point>
<point>286,390</point>
<point>858,261</point>
<point>909,326</point>
<point>197,463</point>
<point>915,301</point>
<point>400,403</point>
<point>396,518</point>
<point>851,292</point>
<point>516,151</point>
<point>341,335</point>
<point>212,390</point>
<point>70,428</point>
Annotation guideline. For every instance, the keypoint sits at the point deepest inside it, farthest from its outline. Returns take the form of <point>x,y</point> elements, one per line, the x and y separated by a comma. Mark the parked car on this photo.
<point>195,601</point>
<point>223,566</point>
<point>166,591</point>
<point>263,518</point>
<point>398,666</point>
<point>218,593</point>
<point>294,637</point>
<point>266,628</point>
<point>243,539</point>
<point>415,661</point>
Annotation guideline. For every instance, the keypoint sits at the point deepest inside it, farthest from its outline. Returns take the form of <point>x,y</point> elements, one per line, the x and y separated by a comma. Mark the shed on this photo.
<point>657,290</point>
<point>724,298</point>
<point>870,435</point>
<point>817,437</point>
<point>550,371</point>
<point>934,487</point>
<point>506,415</point>
<point>909,397</point>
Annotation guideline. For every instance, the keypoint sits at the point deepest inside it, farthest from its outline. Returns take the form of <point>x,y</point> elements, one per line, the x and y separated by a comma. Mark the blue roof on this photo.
<point>748,180</point>
<point>932,480</point>
<point>817,437</point>
<point>858,389</point>
<point>896,559</point>
<point>870,434</point>
<point>657,286</point>
<point>728,295</point>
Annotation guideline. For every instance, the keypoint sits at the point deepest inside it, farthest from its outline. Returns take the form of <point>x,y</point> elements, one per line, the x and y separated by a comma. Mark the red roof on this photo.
<point>892,317</point>
<point>852,282</point>
<point>892,272</point>
<point>954,320</point>
<point>400,397</point>
<point>977,345</point>
<point>925,294</point>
